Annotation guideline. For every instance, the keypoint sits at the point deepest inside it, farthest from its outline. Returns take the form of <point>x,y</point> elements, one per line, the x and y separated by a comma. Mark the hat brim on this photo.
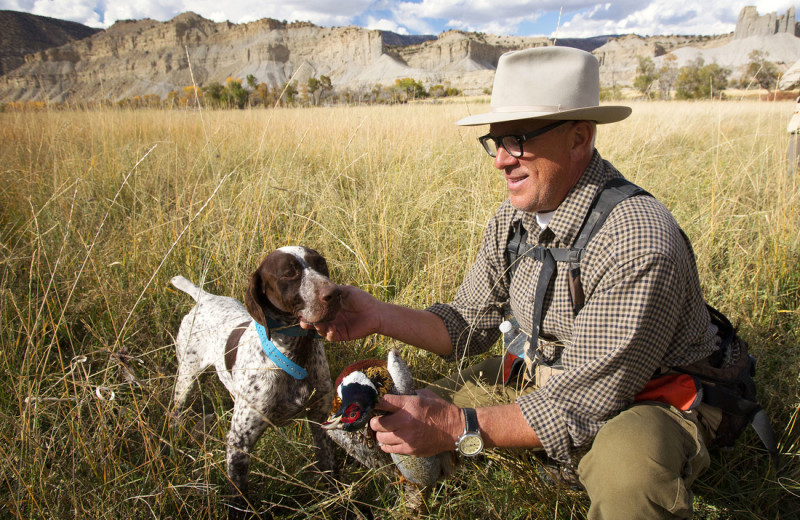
<point>601,115</point>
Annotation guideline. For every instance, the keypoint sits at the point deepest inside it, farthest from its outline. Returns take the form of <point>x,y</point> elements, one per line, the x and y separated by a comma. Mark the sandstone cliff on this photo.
<point>751,24</point>
<point>23,33</point>
<point>619,58</point>
<point>136,58</point>
<point>775,35</point>
<point>148,57</point>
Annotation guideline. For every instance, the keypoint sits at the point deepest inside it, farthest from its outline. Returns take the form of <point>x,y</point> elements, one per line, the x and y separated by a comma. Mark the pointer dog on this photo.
<point>268,389</point>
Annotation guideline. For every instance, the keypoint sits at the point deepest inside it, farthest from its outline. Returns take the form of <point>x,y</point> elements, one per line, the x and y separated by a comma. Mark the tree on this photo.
<point>288,92</point>
<point>319,88</point>
<point>262,95</point>
<point>667,75</point>
<point>192,95</point>
<point>697,80</point>
<point>646,75</point>
<point>760,71</point>
<point>213,93</point>
<point>235,94</point>
<point>438,91</point>
<point>313,85</point>
<point>413,89</point>
<point>325,87</point>
<point>173,99</point>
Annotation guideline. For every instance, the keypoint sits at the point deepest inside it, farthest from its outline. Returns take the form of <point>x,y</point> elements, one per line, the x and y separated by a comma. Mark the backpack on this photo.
<point>732,389</point>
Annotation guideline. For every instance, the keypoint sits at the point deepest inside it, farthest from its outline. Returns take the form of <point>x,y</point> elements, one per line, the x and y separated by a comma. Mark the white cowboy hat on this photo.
<point>547,83</point>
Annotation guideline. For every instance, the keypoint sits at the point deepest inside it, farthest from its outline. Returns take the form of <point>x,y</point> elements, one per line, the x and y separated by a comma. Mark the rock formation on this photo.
<point>141,57</point>
<point>751,24</point>
<point>619,58</point>
<point>134,58</point>
<point>772,34</point>
<point>23,33</point>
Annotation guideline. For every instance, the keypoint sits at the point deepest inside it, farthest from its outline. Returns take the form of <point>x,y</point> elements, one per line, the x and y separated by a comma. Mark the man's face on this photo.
<point>550,164</point>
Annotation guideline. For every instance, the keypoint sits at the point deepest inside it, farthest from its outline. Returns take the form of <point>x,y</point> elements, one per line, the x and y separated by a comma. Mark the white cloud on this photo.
<point>320,12</point>
<point>580,18</point>
<point>479,16</point>
<point>662,17</point>
<point>80,10</point>
<point>385,25</point>
<point>16,5</point>
<point>98,13</point>
<point>136,10</point>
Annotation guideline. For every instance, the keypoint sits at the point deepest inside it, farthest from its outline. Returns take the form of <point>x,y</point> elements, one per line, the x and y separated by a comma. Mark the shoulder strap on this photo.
<point>612,193</point>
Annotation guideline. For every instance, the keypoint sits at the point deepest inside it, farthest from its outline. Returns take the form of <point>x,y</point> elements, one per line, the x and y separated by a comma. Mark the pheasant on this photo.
<point>359,388</point>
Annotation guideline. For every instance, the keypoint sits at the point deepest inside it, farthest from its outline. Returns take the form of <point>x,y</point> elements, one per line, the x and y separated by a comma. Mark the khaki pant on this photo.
<point>641,464</point>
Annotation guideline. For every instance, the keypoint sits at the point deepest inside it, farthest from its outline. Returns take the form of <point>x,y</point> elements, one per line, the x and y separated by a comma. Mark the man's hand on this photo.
<point>422,425</point>
<point>359,317</point>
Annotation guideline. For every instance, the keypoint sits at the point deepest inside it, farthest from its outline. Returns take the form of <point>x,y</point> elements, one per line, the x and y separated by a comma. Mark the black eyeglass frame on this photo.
<point>499,141</point>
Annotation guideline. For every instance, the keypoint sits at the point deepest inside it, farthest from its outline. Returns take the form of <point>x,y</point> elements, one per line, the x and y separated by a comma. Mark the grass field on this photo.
<point>100,209</point>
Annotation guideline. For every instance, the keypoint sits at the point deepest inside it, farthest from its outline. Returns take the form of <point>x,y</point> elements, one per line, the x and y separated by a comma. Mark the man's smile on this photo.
<point>515,181</point>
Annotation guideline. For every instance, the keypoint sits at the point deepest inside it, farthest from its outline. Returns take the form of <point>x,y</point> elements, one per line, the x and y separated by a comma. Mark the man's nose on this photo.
<point>503,158</point>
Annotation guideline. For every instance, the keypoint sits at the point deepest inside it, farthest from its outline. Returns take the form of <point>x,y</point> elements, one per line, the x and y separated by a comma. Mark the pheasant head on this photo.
<point>358,389</point>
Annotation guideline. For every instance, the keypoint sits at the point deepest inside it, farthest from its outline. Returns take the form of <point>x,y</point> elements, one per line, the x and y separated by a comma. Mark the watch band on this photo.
<point>470,443</point>
<point>470,420</point>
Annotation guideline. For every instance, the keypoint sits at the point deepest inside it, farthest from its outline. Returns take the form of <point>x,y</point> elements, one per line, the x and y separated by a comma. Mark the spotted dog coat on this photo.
<point>290,283</point>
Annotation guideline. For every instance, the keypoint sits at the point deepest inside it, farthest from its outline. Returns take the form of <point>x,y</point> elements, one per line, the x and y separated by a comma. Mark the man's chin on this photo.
<point>522,204</point>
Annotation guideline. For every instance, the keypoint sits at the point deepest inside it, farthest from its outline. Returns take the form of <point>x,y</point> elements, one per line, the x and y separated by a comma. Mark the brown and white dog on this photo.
<point>289,284</point>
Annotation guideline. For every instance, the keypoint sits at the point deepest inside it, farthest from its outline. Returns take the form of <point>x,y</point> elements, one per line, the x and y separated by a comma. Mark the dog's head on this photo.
<point>292,283</point>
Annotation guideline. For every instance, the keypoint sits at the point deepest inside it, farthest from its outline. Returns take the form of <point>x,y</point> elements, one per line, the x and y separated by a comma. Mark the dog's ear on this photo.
<point>255,300</point>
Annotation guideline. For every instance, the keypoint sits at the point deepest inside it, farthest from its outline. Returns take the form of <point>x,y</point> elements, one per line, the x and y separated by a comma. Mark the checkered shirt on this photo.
<point>644,309</point>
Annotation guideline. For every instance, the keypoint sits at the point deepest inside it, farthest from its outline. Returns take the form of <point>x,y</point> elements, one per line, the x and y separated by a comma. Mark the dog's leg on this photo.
<point>323,444</point>
<point>183,386</point>
<point>247,425</point>
<point>325,453</point>
<point>188,370</point>
<point>191,362</point>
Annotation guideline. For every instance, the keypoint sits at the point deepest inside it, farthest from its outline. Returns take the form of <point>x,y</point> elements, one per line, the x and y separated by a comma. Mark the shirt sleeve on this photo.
<point>619,338</point>
<point>473,318</point>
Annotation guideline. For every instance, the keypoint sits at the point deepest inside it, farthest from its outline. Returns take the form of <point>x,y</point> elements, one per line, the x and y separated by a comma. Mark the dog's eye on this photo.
<point>289,274</point>
<point>319,265</point>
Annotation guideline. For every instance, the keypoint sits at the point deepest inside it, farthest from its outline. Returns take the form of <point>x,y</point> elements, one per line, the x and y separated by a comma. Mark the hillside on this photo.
<point>141,57</point>
<point>22,33</point>
<point>148,57</point>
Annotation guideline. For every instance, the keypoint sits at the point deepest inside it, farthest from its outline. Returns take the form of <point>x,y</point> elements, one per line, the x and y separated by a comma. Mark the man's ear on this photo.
<point>582,140</point>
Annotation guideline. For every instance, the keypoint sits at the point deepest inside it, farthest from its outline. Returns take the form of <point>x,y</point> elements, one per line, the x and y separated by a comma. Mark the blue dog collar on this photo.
<point>290,330</point>
<point>277,357</point>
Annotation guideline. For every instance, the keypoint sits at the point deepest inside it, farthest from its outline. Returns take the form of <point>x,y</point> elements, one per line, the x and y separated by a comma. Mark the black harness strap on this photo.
<point>612,193</point>
<point>546,273</point>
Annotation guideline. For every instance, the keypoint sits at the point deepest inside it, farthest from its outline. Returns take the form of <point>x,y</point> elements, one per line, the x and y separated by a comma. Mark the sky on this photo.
<point>552,18</point>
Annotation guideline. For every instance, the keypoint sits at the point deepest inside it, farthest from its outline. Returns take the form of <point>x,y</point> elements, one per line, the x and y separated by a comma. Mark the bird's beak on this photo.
<point>333,423</point>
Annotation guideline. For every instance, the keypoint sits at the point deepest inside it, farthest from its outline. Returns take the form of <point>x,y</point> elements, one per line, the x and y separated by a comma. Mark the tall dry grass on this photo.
<point>100,209</point>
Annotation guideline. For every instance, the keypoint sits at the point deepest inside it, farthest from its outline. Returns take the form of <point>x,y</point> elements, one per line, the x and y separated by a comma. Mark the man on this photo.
<point>643,310</point>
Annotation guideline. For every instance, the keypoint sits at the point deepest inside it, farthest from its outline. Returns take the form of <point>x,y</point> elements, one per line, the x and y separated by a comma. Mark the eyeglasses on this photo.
<point>513,143</point>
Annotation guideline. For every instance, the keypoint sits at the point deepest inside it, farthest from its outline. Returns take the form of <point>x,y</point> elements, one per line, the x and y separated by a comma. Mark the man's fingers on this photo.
<point>424,392</point>
<point>391,402</point>
<point>305,325</point>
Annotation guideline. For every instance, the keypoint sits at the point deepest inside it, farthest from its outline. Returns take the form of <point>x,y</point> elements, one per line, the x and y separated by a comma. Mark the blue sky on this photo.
<point>563,18</point>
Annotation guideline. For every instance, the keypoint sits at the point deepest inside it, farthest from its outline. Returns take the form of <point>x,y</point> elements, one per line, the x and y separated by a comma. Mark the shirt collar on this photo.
<point>569,215</point>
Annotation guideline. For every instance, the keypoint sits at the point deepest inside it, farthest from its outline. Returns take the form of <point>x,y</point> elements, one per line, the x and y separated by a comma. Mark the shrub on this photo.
<point>698,81</point>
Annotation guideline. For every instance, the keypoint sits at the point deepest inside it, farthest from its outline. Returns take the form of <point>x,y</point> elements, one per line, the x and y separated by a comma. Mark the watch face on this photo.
<point>471,444</point>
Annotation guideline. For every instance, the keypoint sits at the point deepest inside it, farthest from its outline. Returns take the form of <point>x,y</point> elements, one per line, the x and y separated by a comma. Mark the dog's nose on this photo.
<point>330,293</point>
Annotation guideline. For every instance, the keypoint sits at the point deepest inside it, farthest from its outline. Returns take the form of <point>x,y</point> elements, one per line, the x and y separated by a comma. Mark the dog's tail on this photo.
<point>188,287</point>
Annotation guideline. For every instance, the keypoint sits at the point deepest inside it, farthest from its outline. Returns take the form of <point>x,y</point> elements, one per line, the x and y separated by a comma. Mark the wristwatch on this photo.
<point>470,443</point>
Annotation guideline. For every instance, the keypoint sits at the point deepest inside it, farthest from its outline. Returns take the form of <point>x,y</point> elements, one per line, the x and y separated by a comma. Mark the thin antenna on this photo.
<point>558,24</point>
